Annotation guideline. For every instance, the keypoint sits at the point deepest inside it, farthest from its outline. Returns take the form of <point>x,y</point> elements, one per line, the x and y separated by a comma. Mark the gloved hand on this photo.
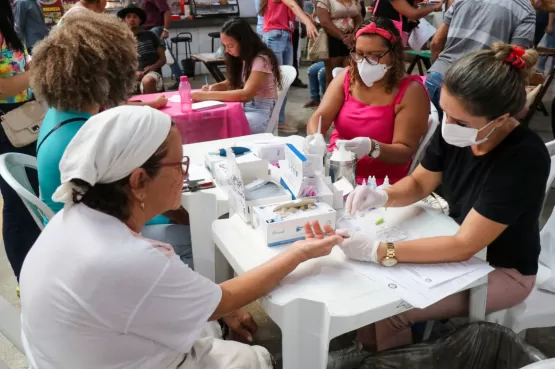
<point>361,146</point>
<point>307,148</point>
<point>364,198</point>
<point>358,246</point>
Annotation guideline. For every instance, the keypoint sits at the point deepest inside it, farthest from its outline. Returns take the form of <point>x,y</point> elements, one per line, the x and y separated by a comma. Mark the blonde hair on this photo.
<point>487,84</point>
<point>89,59</point>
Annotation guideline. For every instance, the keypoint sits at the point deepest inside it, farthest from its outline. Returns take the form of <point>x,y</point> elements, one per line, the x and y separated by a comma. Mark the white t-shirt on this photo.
<point>94,295</point>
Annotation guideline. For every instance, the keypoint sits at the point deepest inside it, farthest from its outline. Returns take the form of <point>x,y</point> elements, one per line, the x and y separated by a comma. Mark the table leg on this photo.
<point>305,335</point>
<point>215,71</point>
<point>202,208</point>
<point>478,299</point>
<point>412,65</point>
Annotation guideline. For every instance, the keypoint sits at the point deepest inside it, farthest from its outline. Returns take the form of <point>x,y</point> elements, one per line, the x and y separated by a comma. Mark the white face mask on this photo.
<point>371,73</point>
<point>459,136</point>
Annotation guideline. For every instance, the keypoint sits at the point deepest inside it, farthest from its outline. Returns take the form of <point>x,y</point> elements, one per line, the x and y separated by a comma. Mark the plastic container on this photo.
<point>318,144</point>
<point>185,94</point>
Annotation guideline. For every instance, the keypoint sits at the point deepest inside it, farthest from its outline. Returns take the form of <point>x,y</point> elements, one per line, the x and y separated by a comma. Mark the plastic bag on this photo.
<point>479,345</point>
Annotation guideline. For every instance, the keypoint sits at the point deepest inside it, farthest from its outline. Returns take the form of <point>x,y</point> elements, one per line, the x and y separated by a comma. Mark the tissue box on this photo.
<point>277,230</point>
<point>321,187</point>
<point>250,166</point>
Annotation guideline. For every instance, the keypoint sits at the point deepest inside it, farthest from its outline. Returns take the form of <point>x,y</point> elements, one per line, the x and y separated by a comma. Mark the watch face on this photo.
<point>389,262</point>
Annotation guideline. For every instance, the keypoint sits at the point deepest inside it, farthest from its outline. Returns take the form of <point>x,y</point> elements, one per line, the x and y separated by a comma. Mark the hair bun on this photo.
<point>522,59</point>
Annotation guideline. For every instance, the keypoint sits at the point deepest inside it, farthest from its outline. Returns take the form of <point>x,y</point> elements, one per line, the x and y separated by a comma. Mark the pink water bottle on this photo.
<point>185,94</point>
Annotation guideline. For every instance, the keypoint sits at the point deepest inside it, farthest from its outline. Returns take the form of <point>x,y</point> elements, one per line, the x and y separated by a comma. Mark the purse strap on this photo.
<point>60,125</point>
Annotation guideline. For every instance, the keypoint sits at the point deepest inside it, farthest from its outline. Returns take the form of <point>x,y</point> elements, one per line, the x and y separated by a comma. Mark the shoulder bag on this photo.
<point>318,48</point>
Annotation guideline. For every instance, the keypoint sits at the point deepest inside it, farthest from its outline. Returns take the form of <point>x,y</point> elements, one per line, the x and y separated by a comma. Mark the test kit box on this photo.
<point>271,151</point>
<point>278,229</point>
<point>250,166</point>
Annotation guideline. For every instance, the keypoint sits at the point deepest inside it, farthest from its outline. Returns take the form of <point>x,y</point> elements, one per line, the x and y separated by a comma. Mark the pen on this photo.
<point>206,80</point>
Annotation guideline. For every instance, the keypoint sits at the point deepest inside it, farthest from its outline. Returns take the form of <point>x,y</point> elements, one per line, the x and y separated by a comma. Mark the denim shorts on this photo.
<point>258,112</point>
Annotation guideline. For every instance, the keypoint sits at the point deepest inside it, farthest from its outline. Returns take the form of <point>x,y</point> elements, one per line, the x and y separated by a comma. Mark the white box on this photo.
<point>324,193</point>
<point>271,151</point>
<point>277,230</point>
<point>250,166</point>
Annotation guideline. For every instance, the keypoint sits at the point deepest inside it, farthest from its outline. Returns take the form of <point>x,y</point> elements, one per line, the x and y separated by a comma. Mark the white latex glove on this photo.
<point>360,146</point>
<point>307,144</point>
<point>364,198</point>
<point>358,246</point>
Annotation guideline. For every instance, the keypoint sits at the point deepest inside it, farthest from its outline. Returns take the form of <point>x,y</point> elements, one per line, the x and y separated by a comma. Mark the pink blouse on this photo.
<point>356,119</point>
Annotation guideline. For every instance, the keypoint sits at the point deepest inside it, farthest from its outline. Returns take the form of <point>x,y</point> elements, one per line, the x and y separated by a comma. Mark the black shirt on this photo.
<point>506,185</point>
<point>386,10</point>
<point>147,48</point>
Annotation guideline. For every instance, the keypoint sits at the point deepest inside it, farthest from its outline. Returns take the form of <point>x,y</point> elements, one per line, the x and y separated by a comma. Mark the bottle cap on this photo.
<point>183,79</point>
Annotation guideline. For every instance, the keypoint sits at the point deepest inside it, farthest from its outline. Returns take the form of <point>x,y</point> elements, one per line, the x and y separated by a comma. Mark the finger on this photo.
<point>329,230</point>
<point>349,203</point>
<point>244,334</point>
<point>308,230</point>
<point>317,229</point>
<point>331,241</point>
<point>250,325</point>
<point>343,232</point>
<point>358,200</point>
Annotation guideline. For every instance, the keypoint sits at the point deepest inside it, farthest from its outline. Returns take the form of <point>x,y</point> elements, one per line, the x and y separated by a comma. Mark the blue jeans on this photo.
<point>176,69</point>
<point>258,112</point>
<point>19,229</point>
<point>549,42</point>
<point>177,235</point>
<point>260,25</point>
<point>281,44</point>
<point>317,80</point>
<point>433,85</point>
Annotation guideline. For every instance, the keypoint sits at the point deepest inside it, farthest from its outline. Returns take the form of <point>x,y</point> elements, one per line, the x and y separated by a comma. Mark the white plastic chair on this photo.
<point>288,75</point>
<point>433,123</point>
<point>12,169</point>
<point>544,364</point>
<point>336,71</point>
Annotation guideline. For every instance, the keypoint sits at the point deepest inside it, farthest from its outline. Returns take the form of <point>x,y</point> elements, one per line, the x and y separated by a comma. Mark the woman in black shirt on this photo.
<point>493,174</point>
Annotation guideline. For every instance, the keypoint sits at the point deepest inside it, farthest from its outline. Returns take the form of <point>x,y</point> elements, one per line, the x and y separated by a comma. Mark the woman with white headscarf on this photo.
<point>96,294</point>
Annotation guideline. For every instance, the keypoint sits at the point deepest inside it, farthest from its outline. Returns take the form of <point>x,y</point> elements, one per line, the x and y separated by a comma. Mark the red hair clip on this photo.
<point>372,28</point>
<point>515,57</point>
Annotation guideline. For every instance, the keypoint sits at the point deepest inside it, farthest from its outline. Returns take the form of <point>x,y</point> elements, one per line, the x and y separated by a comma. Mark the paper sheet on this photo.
<point>421,34</point>
<point>407,286</point>
<point>174,98</point>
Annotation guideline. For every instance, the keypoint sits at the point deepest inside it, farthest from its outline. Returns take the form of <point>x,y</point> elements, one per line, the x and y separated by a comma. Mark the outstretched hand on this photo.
<point>317,242</point>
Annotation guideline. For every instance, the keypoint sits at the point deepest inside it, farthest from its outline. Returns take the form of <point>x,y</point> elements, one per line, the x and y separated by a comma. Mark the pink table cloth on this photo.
<point>207,125</point>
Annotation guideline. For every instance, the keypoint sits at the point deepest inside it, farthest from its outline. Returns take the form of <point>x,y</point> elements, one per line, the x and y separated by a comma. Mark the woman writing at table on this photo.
<point>118,300</point>
<point>96,74</point>
<point>253,74</point>
<point>493,174</point>
<point>375,106</point>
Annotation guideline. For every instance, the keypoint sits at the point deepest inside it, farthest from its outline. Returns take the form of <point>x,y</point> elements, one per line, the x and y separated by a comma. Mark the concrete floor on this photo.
<point>269,334</point>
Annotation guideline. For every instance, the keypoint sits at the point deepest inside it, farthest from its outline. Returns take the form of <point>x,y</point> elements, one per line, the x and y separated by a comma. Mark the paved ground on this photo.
<point>269,334</point>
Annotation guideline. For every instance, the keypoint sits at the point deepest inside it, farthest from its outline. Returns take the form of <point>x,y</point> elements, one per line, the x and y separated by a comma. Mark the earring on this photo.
<point>142,203</point>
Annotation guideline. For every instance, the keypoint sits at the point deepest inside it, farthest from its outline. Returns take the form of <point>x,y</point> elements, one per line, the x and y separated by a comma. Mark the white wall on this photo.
<point>246,8</point>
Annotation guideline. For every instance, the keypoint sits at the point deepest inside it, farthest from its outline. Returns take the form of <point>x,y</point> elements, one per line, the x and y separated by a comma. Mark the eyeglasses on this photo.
<point>370,59</point>
<point>184,165</point>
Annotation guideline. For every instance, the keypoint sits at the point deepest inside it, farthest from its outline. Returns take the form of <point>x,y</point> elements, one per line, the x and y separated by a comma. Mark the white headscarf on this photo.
<point>110,146</point>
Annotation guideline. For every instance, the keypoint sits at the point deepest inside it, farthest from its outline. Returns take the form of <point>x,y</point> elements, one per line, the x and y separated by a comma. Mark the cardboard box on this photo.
<point>250,166</point>
<point>271,151</point>
<point>278,230</point>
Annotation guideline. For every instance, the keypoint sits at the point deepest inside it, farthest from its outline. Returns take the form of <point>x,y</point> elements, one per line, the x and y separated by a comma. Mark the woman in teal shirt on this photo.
<point>77,72</point>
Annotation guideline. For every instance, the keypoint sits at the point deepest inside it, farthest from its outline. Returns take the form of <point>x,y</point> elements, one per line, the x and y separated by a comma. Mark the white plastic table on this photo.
<point>324,298</point>
<point>206,206</point>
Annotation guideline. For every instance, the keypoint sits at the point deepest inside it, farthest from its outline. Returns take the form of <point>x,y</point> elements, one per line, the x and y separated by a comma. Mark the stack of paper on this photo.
<point>422,285</point>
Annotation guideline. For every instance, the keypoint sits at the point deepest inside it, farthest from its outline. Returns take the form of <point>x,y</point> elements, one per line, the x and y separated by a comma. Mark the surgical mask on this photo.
<point>370,73</point>
<point>459,136</point>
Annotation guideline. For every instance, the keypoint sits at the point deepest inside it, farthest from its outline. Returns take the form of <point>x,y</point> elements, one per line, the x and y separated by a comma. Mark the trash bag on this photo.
<point>479,345</point>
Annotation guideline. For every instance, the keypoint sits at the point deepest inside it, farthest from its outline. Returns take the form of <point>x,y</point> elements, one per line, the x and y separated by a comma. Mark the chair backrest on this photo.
<point>433,123</point>
<point>539,97</point>
<point>543,364</point>
<point>288,75</point>
<point>336,71</point>
<point>10,323</point>
<point>13,169</point>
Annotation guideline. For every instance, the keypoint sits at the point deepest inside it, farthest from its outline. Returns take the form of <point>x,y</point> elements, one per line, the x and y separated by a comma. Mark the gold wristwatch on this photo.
<point>389,259</point>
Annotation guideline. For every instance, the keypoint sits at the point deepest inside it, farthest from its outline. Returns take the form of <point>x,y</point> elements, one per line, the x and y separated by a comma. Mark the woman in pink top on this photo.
<point>279,24</point>
<point>380,111</point>
<point>253,74</point>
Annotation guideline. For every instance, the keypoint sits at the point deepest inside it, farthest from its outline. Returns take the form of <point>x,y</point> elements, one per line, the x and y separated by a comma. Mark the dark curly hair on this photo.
<point>397,71</point>
<point>250,46</point>
<point>89,58</point>
<point>113,198</point>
